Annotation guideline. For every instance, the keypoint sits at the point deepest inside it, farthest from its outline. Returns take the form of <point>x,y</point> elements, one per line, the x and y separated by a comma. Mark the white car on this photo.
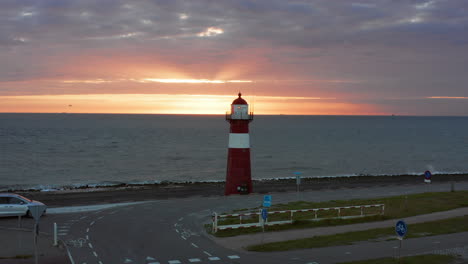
<point>16,205</point>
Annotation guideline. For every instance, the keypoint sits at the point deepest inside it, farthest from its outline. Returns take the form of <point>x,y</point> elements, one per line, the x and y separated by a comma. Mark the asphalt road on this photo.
<point>171,231</point>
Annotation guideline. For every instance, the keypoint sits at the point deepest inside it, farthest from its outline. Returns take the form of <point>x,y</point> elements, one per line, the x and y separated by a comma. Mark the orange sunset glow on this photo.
<point>176,104</point>
<point>193,57</point>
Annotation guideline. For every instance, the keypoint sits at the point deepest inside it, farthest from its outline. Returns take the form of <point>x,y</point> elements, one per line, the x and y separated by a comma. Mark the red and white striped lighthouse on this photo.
<point>238,176</point>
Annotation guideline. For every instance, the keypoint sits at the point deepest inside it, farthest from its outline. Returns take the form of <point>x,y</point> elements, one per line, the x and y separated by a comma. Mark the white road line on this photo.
<point>95,254</point>
<point>233,257</point>
<point>207,253</point>
<point>184,238</point>
<point>92,223</point>
<point>87,230</point>
<point>150,258</point>
<point>348,253</point>
<point>213,258</point>
<point>174,262</point>
<point>62,234</point>
<point>177,230</point>
<point>195,260</point>
<point>101,217</point>
<point>87,237</point>
<point>194,245</point>
<point>83,217</point>
<point>180,219</point>
<point>100,262</point>
<point>153,263</point>
<point>90,245</point>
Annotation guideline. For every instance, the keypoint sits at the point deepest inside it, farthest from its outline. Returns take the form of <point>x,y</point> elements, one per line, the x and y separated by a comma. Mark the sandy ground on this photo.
<point>91,196</point>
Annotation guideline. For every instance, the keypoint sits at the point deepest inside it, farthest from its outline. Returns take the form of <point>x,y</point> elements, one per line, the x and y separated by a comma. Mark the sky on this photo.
<point>316,57</point>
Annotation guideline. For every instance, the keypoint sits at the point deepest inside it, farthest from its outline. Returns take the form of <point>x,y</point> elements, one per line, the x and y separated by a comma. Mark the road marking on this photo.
<point>90,245</point>
<point>150,258</point>
<point>194,245</point>
<point>233,257</point>
<point>348,253</point>
<point>100,262</point>
<point>213,258</point>
<point>153,263</point>
<point>194,260</point>
<point>87,230</point>
<point>180,219</point>
<point>207,253</point>
<point>95,254</point>
<point>83,217</point>
<point>62,234</point>
<point>177,230</point>
<point>127,260</point>
<point>92,223</point>
<point>184,238</point>
<point>101,217</point>
<point>87,237</point>
<point>436,242</point>
<point>174,262</point>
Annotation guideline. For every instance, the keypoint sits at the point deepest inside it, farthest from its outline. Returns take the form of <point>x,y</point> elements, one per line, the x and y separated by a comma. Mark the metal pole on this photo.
<point>55,235</point>
<point>36,230</point>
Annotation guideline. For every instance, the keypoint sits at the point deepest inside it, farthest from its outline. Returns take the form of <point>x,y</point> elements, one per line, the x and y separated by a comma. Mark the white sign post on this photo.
<point>36,212</point>
<point>298,180</point>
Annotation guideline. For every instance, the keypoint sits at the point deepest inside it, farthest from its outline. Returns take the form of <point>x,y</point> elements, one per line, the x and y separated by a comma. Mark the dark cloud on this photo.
<point>391,47</point>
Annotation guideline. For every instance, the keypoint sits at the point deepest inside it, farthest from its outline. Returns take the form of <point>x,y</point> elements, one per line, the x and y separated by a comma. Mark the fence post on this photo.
<point>339,212</point>
<point>315,214</point>
<point>292,215</point>
<point>383,209</point>
<point>215,222</point>
<point>260,216</point>
<point>240,219</point>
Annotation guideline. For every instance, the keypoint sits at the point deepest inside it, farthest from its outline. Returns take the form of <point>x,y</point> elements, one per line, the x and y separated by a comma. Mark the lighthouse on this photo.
<point>238,175</point>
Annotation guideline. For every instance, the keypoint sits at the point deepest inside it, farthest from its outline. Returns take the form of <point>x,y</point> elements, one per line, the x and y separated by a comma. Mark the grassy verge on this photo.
<point>426,259</point>
<point>447,226</point>
<point>395,207</point>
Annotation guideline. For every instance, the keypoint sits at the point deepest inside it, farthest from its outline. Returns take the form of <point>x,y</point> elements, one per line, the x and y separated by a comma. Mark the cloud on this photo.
<point>410,48</point>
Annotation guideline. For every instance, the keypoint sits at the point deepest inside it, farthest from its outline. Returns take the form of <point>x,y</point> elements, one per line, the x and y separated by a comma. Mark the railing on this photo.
<point>248,116</point>
<point>304,214</point>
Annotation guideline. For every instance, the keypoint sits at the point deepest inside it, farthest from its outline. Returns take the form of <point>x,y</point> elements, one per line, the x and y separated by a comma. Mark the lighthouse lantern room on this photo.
<point>238,174</point>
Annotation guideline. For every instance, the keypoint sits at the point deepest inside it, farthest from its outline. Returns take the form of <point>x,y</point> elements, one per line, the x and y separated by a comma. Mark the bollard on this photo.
<point>55,235</point>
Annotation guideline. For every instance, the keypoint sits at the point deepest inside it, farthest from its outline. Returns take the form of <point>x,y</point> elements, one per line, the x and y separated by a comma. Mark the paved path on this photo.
<point>240,242</point>
<point>171,231</point>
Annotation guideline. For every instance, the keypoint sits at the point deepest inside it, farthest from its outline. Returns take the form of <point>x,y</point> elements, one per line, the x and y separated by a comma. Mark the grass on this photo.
<point>426,259</point>
<point>447,226</point>
<point>395,207</point>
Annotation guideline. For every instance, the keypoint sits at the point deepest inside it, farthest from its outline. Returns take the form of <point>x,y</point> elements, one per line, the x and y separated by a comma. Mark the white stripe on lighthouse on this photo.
<point>239,140</point>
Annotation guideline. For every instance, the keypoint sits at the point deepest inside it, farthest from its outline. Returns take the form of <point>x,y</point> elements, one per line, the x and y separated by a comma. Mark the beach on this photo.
<point>133,193</point>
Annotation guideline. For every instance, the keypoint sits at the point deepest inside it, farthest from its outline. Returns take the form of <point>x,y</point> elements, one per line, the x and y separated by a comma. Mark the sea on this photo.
<point>56,151</point>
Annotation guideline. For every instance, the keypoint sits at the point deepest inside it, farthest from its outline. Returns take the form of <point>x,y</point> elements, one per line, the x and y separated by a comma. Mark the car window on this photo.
<point>14,200</point>
<point>3,200</point>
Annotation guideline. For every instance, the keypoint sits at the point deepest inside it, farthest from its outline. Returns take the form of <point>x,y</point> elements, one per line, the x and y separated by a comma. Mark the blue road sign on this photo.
<point>266,200</point>
<point>427,175</point>
<point>264,214</point>
<point>401,228</point>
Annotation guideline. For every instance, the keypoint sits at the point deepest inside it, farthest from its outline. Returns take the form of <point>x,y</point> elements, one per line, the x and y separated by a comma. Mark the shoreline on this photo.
<point>162,191</point>
<point>112,185</point>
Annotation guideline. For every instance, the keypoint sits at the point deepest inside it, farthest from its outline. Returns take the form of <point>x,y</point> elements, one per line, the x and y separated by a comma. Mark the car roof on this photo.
<point>12,195</point>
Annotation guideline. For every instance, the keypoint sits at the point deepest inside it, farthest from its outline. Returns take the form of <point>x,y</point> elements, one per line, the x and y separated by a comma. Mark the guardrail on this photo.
<point>247,217</point>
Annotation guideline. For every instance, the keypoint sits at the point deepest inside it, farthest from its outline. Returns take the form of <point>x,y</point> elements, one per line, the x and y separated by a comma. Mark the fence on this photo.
<point>288,216</point>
